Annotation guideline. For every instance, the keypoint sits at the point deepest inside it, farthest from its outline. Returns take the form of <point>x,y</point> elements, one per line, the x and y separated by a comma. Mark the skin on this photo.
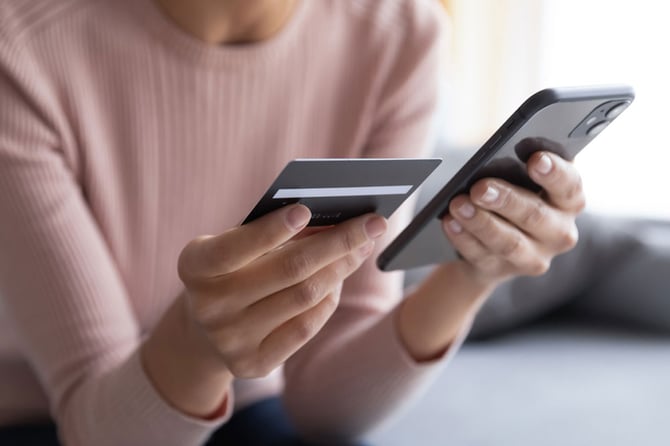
<point>256,294</point>
<point>229,21</point>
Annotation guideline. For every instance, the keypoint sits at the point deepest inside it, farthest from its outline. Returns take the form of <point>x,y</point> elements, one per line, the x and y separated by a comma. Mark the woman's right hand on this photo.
<point>258,296</point>
<point>253,296</point>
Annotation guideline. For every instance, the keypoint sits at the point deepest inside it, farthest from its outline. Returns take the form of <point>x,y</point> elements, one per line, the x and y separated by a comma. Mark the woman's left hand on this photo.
<point>502,230</point>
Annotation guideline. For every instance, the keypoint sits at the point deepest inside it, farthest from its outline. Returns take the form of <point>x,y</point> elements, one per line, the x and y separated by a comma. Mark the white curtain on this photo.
<point>492,63</point>
<point>503,50</point>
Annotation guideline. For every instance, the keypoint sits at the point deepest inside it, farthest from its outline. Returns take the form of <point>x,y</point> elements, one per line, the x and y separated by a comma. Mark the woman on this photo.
<point>131,128</point>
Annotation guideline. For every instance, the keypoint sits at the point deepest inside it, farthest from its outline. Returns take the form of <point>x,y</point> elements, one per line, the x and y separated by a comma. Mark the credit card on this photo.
<point>338,189</point>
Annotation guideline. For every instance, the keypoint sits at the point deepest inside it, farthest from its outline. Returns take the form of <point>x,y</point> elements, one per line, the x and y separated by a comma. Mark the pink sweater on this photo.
<point>122,138</point>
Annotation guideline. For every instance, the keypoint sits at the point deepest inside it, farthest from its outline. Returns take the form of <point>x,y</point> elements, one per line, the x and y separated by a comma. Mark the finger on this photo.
<point>289,337</point>
<point>559,179</point>
<point>211,256</point>
<point>251,360</point>
<point>301,259</point>
<point>310,230</point>
<point>469,248</point>
<point>497,236</point>
<point>268,314</point>
<point>527,211</point>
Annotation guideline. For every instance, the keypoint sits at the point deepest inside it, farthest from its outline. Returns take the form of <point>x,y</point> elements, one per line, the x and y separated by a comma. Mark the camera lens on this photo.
<point>593,131</point>
<point>616,110</point>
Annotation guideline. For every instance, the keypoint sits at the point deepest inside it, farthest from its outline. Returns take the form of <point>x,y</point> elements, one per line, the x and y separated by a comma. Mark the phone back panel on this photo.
<point>562,121</point>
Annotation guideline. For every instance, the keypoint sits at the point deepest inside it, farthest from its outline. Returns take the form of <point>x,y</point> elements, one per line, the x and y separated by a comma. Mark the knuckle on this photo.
<point>296,266</point>
<point>481,223</point>
<point>222,261</point>
<point>211,306</point>
<point>538,267</point>
<point>346,266</point>
<point>228,341</point>
<point>488,224</point>
<point>569,238</point>
<point>244,367</point>
<point>204,310</point>
<point>213,255</point>
<point>270,237</point>
<point>251,364</point>
<point>329,304</point>
<point>308,293</point>
<point>201,253</point>
<point>534,215</point>
<point>304,329</point>
<point>185,267</point>
<point>574,192</point>
<point>580,204</point>
<point>512,246</point>
<point>350,264</point>
<point>506,198</point>
<point>471,254</point>
<point>349,241</point>
<point>331,301</point>
<point>219,257</point>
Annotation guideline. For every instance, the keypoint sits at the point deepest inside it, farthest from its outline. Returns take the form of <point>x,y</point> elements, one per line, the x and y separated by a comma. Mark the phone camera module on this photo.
<point>593,131</point>
<point>591,120</point>
<point>599,118</point>
<point>617,110</point>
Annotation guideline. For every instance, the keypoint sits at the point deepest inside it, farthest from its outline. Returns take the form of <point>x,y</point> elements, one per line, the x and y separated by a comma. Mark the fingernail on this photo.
<point>366,249</point>
<point>544,164</point>
<point>490,195</point>
<point>375,227</point>
<point>298,217</point>
<point>467,210</point>
<point>455,226</point>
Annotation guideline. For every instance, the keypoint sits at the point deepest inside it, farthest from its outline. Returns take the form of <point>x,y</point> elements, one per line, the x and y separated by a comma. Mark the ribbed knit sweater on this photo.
<point>122,138</point>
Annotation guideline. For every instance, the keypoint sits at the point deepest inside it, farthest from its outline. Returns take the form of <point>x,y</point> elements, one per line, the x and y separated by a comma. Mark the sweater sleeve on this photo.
<point>60,287</point>
<point>356,374</point>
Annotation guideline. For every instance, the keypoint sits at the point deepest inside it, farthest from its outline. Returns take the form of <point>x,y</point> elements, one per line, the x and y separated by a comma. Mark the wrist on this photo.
<point>183,366</point>
<point>436,312</point>
<point>477,280</point>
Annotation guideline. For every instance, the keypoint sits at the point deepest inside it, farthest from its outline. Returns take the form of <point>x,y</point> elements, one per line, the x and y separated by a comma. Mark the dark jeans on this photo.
<point>263,423</point>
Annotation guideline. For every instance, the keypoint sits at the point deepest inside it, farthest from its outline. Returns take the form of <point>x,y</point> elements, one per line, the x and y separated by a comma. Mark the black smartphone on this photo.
<point>560,120</point>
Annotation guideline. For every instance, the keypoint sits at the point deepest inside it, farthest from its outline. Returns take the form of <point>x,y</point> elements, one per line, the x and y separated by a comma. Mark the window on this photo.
<point>511,48</point>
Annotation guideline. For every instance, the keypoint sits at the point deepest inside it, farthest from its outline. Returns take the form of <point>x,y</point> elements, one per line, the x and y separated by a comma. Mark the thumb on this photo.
<point>210,256</point>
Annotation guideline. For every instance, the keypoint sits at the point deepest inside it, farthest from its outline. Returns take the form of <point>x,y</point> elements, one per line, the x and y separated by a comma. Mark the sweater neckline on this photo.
<point>205,54</point>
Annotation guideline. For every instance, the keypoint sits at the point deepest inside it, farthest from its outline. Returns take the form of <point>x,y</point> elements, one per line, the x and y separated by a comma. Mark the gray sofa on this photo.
<point>556,383</point>
<point>580,356</point>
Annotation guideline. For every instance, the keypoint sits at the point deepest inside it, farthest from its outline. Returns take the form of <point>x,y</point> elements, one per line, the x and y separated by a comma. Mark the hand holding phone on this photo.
<point>561,121</point>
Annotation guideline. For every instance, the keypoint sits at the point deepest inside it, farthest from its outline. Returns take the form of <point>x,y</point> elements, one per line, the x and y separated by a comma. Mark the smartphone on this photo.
<point>560,120</point>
